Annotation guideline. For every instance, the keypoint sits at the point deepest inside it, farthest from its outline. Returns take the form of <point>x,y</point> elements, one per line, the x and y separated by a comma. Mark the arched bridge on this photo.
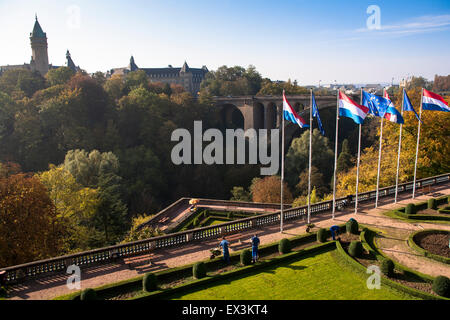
<point>264,112</point>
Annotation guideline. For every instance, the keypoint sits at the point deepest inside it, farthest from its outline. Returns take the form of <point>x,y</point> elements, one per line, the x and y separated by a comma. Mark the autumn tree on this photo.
<point>268,190</point>
<point>29,228</point>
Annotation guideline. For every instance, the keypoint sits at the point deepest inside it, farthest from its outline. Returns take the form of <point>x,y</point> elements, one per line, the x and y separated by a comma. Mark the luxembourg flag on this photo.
<point>391,113</point>
<point>434,102</point>
<point>349,108</point>
<point>290,114</point>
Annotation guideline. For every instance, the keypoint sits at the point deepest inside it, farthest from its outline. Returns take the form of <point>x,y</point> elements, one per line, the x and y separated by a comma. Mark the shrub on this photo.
<point>149,282</point>
<point>410,208</point>
<point>387,267</point>
<point>432,204</point>
<point>322,235</point>
<point>199,270</point>
<point>441,285</point>
<point>284,246</point>
<point>230,215</point>
<point>3,292</point>
<point>355,249</point>
<point>246,257</point>
<point>352,226</point>
<point>195,222</point>
<point>88,294</point>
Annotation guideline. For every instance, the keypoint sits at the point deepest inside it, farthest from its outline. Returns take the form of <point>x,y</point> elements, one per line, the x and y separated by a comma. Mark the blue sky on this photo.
<point>303,40</point>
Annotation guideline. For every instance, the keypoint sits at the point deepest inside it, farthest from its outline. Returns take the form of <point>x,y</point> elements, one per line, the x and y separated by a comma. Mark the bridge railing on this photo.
<point>58,265</point>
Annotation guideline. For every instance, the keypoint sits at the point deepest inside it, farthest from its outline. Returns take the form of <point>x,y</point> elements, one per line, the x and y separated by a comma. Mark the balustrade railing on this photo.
<point>58,265</point>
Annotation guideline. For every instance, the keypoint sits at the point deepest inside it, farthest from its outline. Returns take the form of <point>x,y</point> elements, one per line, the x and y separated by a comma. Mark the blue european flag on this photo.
<point>377,105</point>
<point>407,106</point>
<point>315,112</point>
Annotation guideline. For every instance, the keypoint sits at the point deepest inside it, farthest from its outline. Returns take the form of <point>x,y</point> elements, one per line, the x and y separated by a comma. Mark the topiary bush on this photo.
<point>355,249</point>
<point>410,208</point>
<point>352,226</point>
<point>88,294</point>
<point>195,222</point>
<point>432,204</point>
<point>387,267</point>
<point>246,257</point>
<point>322,235</point>
<point>284,246</point>
<point>149,282</point>
<point>441,285</point>
<point>199,270</point>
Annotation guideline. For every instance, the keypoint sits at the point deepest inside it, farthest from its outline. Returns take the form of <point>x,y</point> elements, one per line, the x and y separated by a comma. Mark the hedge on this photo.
<point>412,243</point>
<point>349,261</point>
<point>185,271</point>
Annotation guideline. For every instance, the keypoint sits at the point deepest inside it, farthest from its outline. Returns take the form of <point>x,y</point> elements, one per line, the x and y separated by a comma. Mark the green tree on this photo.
<point>240,194</point>
<point>21,80</point>
<point>344,161</point>
<point>296,160</point>
<point>60,75</point>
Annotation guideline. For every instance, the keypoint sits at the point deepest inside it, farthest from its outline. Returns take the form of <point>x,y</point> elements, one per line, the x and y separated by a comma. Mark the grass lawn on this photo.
<point>212,222</point>
<point>315,277</point>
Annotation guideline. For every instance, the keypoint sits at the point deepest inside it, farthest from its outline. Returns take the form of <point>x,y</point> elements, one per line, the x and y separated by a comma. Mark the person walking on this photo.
<point>226,255</point>
<point>255,243</point>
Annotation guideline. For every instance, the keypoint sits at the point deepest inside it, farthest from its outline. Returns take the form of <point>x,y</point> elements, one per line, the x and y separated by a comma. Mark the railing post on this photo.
<point>189,236</point>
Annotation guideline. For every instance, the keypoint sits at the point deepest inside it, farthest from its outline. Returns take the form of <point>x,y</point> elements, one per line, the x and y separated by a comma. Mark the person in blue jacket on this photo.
<point>334,232</point>
<point>255,244</point>
<point>226,255</point>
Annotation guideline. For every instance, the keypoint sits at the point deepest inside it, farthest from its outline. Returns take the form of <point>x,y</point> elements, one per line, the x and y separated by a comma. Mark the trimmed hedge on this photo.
<point>441,285</point>
<point>355,249</point>
<point>387,267</point>
<point>352,226</point>
<point>246,257</point>
<point>322,235</point>
<point>185,271</point>
<point>284,246</point>
<point>413,244</point>
<point>410,208</point>
<point>199,270</point>
<point>432,204</point>
<point>88,294</point>
<point>356,266</point>
<point>149,282</point>
<point>162,294</point>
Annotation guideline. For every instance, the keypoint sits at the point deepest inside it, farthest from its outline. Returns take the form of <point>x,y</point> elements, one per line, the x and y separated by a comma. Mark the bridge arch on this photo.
<point>232,117</point>
<point>271,115</point>
<point>258,116</point>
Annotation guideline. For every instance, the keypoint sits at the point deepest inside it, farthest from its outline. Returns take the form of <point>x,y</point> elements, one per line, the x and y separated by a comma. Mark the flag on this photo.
<point>377,105</point>
<point>315,111</point>
<point>290,114</point>
<point>434,102</point>
<point>391,113</point>
<point>349,108</point>
<point>407,106</point>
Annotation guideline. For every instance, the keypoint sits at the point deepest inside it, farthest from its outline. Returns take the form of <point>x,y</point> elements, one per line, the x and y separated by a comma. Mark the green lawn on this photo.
<point>315,277</point>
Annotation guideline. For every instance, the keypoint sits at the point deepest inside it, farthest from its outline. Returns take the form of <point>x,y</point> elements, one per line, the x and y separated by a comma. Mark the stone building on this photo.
<point>39,54</point>
<point>189,78</point>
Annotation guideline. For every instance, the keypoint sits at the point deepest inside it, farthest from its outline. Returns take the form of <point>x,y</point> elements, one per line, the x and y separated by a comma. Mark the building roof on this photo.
<point>37,30</point>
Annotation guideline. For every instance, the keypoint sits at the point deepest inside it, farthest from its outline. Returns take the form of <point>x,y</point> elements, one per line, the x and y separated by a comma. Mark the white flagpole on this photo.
<point>310,152</point>
<point>357,167</point>
<point>399,147</point>
<point>335,154</point>
<point>417,146</point>
<point>282,163</point>
<point>379,156</point>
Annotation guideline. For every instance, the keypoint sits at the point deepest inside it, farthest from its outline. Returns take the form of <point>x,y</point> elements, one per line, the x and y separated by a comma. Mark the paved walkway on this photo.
<point>393,245</point>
